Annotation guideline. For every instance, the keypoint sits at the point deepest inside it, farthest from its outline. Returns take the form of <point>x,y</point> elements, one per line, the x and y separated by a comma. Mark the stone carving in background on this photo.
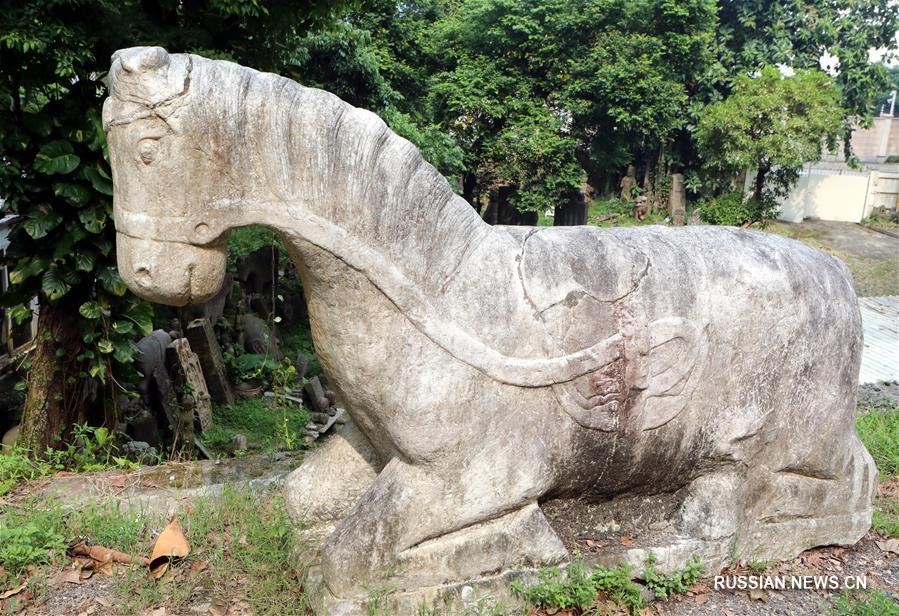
<point>203,342</point>
<point>677,199</point>
<point>185,364</point>
<point>628,182</point>
<point>498,377</point>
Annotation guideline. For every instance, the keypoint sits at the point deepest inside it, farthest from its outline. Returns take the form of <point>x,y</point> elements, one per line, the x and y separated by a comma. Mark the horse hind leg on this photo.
<point>800,507</point>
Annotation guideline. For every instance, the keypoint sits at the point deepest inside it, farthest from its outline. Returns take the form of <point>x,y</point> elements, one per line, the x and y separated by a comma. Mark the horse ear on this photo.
<point>148,75</point>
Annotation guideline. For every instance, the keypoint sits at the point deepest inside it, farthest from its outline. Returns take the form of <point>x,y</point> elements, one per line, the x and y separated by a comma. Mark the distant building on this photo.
<point>832,190</point>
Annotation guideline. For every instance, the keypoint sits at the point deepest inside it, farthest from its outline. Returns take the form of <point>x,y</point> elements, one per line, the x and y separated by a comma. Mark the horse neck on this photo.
<point>314,159</point>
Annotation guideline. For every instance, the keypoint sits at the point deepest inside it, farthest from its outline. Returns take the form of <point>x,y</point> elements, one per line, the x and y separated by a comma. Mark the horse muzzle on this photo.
<point>172,273</point>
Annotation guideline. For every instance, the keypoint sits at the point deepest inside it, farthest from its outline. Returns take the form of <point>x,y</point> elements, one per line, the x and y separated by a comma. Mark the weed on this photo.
<point>873,602</point>
<point>29,544</point>
<point>759,566</point>
<point>263,425</point>
<point>30,534</point>
<point>577,588</point>
<point>92,449</point>
<point>886,517</point>
<point>878,429</point>
<point>619,586</point>
<point>675,582</point>
<point>16,467</point>
<point>374,605</point>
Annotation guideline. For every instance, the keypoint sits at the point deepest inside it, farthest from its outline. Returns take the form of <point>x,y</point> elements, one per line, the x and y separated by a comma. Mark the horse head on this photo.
<point>167,182</point>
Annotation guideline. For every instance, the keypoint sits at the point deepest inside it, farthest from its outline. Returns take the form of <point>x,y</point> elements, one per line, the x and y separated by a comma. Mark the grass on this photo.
<point>601,208</point>
<point>261,424</point>
<point>872,602</point>
<point>578,588</point>
<point>241,547</point>
<point>95,452</point>
<point>878,428</point>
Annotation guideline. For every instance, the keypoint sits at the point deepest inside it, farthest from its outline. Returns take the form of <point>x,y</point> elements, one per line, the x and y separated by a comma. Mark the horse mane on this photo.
<point>343,163</point>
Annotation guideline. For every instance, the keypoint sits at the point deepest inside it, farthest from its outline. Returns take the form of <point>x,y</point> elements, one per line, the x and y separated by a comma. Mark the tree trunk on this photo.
<point>51,404</point>
<point>469,190</point>
<point>760,181</point>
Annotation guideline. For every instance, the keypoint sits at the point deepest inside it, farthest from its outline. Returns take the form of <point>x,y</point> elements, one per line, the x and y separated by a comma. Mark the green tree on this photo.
<point>56,178</point>
<point>799,33</point>
<point>612,78</point>
<point>773,124</point>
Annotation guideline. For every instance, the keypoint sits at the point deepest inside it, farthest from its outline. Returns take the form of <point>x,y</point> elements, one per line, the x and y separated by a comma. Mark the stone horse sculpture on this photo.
<point>492,371</point>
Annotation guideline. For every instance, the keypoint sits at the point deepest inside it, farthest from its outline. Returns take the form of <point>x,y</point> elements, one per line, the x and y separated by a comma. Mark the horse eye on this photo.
<point>147,148</point>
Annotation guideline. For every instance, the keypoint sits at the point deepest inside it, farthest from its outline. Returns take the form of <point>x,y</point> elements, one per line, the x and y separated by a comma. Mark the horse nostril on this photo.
<point>142,276</point>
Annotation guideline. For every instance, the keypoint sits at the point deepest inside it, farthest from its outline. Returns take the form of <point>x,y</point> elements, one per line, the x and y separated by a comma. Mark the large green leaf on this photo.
<point>57,281</point>
<point>90,310</point>
<point>98,180</point>
<point>141,313</point>
<point>75,194</point>
<point>123,327</point>
<point>93,218</point>
<point>20,313</point>
<point>39,224</point>
<point>112,282</point>
<point>124,351</point>
<point>56,158</point>
<point>103,244</point>
<point>26,268</point>
<point>84,261</point>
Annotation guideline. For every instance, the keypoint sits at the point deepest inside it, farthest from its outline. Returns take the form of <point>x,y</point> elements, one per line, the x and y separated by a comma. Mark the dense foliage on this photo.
<point>772,124</point>
<point>55,177</point>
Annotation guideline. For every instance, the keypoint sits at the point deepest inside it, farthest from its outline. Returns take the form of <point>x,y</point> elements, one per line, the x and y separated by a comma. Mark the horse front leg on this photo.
<point>411,516</point>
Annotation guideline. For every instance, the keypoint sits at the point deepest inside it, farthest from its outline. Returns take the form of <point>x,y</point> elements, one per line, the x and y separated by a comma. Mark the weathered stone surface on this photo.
<point>677,199</point>
<point>491,368</point>
<point>203,342</point>
<point>256,336</point>
<point>314,396</point>
<point>628,182</point>
<point>9,439</point>
<point>187,365</point>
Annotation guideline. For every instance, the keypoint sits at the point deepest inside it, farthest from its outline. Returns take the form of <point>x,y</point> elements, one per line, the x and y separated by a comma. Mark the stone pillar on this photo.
<point>627,184</point>
<point>186,364</point>
<point>677,199</point>
<point>202,341</point>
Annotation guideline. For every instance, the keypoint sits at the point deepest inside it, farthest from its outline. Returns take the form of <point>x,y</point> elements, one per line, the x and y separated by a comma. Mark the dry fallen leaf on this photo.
<point>890,545</point>
<point>625,541</point>
<point>170,544</point>
<point>71,575</point>
<point>13,591</point>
